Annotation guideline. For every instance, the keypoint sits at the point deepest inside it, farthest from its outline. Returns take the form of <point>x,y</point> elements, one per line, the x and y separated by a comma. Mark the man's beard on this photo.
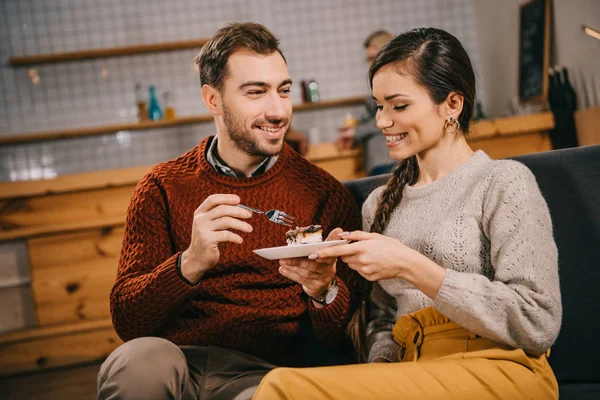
<point>243,138</point>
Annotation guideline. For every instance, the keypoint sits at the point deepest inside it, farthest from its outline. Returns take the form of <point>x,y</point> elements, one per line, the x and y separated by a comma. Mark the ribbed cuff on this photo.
<point>334,312</point>
<point>446,297</point>
<point>178,267</point>
<point>386,349</point>
<point>171,281</point>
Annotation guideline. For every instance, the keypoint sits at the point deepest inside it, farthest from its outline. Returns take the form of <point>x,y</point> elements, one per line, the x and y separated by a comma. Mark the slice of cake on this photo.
<point>304,235</point>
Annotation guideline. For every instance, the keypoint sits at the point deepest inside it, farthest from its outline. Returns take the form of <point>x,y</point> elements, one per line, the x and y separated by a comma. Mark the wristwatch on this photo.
<point>329,295</point>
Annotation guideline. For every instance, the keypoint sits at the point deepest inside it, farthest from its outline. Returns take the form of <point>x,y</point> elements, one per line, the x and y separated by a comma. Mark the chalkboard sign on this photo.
<point>534,51</point>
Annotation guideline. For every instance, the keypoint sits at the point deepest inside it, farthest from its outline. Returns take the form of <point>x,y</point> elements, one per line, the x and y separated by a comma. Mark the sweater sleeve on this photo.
<point>330,322</point>
<point>521,305</point>
<point>148,289</point>
<point>382,317</point>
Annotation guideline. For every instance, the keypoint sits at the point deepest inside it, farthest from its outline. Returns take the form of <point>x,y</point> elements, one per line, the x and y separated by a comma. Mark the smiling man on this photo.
<point>201,315</point>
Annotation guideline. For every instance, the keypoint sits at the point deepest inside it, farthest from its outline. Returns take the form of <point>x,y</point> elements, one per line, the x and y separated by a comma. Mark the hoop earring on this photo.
<point>451,123</point>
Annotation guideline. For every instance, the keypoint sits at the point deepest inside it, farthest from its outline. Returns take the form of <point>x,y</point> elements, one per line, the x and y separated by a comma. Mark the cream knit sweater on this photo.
<point>487,223</point>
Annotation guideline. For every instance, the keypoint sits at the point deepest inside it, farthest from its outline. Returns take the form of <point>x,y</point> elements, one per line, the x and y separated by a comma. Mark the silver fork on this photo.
<point>279,217</point>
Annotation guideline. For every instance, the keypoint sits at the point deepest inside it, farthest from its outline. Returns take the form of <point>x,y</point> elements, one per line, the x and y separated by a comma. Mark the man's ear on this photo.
<point>454,105</point>
<point>212,99</point>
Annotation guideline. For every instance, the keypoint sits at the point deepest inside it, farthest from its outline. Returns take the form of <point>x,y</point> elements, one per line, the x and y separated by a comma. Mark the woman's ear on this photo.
<point>212,99</point>
<point>454,105</point>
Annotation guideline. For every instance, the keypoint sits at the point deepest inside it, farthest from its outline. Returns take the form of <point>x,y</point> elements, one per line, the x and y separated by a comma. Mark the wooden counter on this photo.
<point>73,228</point>
<point>97,200</point>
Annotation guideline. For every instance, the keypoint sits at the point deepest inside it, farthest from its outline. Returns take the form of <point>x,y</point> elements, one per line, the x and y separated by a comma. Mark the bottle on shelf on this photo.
<point>312,91</point>
<point>168,104</point>
<point>350,121</point>
<point>154,111</point>
<point>140,101</point>
<point>304,91</point>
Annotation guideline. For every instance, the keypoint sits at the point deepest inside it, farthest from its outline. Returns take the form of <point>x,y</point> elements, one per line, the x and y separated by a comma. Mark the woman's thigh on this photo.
<point>452,378</point>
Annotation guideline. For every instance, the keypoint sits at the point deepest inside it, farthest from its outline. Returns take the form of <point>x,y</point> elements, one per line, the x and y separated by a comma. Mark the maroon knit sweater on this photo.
<point>243,303</point>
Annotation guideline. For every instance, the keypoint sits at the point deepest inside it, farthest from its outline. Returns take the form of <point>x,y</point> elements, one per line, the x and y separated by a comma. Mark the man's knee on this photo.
<point>142,366</point>
<point>143,352</point>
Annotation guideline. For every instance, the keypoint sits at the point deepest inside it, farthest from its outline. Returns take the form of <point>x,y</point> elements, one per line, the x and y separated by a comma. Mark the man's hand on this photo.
<point>213,220</point>
<point>345,140</point>
<point>314,276</point>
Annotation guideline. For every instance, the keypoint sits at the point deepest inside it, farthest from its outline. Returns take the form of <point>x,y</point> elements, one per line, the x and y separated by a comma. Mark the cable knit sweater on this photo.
<point>243,303</point>
<point>487,223</point>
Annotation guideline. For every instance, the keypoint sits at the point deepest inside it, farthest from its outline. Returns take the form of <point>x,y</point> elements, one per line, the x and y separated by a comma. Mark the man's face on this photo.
<point>257,108</point>
<point>371,53</point>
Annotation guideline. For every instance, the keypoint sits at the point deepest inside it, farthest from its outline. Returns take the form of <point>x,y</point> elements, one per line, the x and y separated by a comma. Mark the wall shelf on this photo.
<point>97,130</point>
<point>70,204</point>
<point>115,178</point>
<point>515,125</point>
<point>100,129</point>
<point>19,61</point>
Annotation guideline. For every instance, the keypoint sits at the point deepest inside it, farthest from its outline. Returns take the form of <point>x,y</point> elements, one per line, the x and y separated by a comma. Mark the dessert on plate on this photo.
<point>304,235</point>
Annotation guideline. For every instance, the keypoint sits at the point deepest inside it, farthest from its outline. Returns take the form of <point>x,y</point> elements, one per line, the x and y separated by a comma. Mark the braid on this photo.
<point>405,173</point>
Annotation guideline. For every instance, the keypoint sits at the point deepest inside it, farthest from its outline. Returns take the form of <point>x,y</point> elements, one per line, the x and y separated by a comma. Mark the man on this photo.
<point>201,314</point>
<point>297,141</point>
<point>377,155</point>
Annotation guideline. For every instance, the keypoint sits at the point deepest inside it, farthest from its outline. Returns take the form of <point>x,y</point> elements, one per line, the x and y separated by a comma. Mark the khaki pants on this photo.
<point>151,368</point>
<point>438,360</point>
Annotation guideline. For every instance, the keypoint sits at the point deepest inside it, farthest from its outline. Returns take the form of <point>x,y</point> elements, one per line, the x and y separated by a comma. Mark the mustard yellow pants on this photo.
<point>438,360</point>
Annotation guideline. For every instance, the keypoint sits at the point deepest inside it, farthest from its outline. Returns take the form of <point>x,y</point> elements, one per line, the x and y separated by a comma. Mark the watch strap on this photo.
<point>322,299</point>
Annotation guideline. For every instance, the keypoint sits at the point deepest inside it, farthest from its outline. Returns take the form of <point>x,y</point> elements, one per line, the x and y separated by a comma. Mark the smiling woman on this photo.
<point>460,252</point>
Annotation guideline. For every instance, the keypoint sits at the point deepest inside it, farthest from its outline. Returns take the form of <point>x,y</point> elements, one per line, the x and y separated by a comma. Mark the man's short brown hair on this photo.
<point>378,39</point>
<point>212,59</point>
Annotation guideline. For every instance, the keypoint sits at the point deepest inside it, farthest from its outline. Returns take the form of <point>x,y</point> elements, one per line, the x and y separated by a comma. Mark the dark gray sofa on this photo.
<point>570,182</point>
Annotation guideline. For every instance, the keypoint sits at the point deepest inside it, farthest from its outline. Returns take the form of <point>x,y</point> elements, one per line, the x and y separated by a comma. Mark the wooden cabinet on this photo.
<point>72,274</point>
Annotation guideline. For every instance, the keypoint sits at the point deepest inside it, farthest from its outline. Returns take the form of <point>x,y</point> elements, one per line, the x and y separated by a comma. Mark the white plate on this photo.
<point>301,250</point>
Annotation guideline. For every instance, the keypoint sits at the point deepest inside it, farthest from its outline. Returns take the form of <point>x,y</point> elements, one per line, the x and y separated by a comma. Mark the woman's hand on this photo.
<point>377,257</point>
<point>372,255</point>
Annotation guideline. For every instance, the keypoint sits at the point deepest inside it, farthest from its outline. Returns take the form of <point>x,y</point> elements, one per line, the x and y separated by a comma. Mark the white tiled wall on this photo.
<point>322,39</point>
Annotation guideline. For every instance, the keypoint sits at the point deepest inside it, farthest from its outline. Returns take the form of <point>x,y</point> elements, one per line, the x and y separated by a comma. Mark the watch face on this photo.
<point>330,296</point>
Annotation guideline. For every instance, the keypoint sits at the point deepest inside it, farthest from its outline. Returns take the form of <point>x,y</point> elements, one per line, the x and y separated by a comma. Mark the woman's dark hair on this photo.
<point>438,62</point>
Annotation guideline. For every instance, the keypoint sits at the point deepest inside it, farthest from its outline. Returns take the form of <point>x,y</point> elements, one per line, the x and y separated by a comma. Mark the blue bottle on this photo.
<point>154,111</point>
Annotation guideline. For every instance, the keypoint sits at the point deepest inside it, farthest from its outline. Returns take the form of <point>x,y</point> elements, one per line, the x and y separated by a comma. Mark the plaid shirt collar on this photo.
<point>213,158</point>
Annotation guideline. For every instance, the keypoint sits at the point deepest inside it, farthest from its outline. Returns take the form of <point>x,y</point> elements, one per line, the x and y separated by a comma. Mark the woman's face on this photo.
<point>410,121</point>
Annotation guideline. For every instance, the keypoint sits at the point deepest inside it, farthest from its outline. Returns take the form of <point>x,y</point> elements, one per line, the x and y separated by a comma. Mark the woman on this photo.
<point>466,301</point>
